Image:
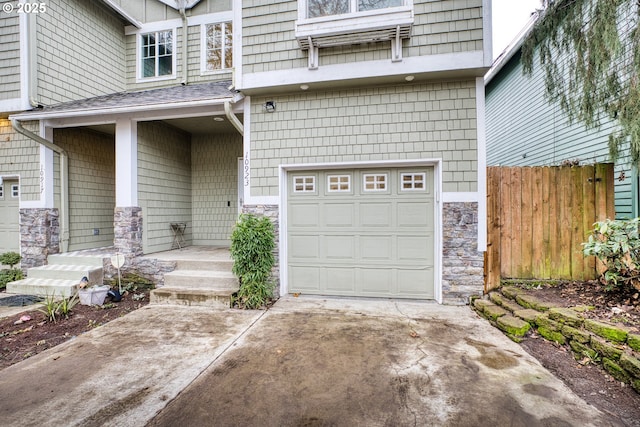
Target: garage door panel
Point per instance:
(304, 215)
(339, 214)
(376, 281)
(341, 280)
(415, 283)
(415, 248)
(304, 247)
(340, 247)
(377, 248)
(305, 278)
(375, 214)
(415, 214)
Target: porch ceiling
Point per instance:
(192, 125)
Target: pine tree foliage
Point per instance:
(590, 54)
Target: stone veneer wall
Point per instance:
(462, 263)
(271, 212)
(39, 236)
(127, 228)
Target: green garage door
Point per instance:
(361, 232)
(9, 216)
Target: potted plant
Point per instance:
(92, 295)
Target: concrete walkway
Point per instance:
(307, 361)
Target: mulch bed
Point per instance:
(23, 340)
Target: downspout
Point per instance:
(32, 68)
(233, 118)
(64, 180)
(185, 46)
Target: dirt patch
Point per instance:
(620, 306)
(21, 341)
(588, 380)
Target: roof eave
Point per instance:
(512, 48)
(50, 115)
(123, 13)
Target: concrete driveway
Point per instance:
(305, 362)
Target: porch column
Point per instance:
(127, 221)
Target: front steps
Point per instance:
(60, 278)
(199, 282)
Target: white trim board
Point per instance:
(380, 68)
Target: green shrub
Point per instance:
(10, 258)
(252, 243)
(10, 275)
(617, 244)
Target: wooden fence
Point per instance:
(538, 218)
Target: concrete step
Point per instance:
(67, 272)
(43, 287)
(74, 258)
(198, 297)
(212, 264)
(201, 279)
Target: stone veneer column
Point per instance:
(127, 230)
(271, 212)
(462, 263)
(39, 236)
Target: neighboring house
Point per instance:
(357, 127)
(523, 129)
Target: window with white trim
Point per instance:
(317, 8)
(339, 183)
(304, 184)
(156, 54)
(1, 191)
(15, 190)
(375, 182)
(413, 181)
(217, 48)
(327, 23)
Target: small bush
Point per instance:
(252, 243)
(617, 244)
(10, 258)
(10, 275)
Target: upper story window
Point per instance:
(156, 54)
(317, 8)
(327, 23)
(217, 49)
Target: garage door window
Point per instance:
(412, 182)
(304, 184)
(15, 191)
(1, 191)
(375, 182)
(339, 183)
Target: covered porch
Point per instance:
(120, 169)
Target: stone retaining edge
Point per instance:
(613, 347)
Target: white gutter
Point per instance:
(44, 115)
(64, 180)
(233, 118)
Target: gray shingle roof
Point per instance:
(153, 99)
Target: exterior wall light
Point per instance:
(270, 106)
